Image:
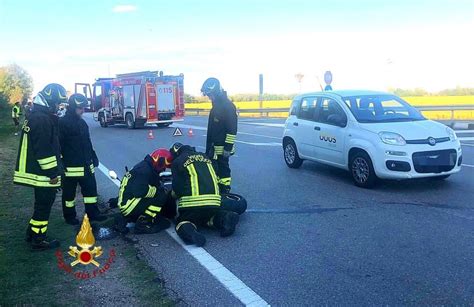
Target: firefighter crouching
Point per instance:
(221, 131)
(142, 198)
(80, 160)
(38, 163)
(195, 186)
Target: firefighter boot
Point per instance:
(226, 222)
(187, 231)
(94, 214)
(42, 242)
(147, 224)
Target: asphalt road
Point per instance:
(310, 236)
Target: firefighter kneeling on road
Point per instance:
(142, 198)
(195, 186)
(38, 163)
(79, 160)
(221, 131)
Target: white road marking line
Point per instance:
(260, 144)
(231, 282)
(265, 124)
(464, 131)
(468, 165)
(467, 138)
(243, 133)
(466, 144)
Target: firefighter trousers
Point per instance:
(222, 168)
(88, 190)
(44, 199)
(160, 204)
(201, 217)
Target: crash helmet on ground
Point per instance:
(161, 159)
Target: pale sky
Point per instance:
(366, 44)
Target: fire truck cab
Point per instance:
(136, 99)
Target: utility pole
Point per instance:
(299, 77)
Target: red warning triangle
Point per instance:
(177, 132)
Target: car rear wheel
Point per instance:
(362, 170)
(290, 153)
(103, 122)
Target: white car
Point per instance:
(371, 134)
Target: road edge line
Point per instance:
(231, 282)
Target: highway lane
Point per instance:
(311, 236)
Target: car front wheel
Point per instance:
(291, 156)
(362, 170)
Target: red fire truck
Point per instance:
(136, 99)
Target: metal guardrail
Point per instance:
(266, 111)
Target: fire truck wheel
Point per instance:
(102, 122)
(130, 122)
(163, 125)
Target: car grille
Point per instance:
(435, 161)
(426, 141)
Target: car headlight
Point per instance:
(392, 138)
(452, 135)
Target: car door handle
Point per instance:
(295, 124)
(317, 128)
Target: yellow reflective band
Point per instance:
(92, 168)
(230, 138)
(49, 165)
(34, 180)
(47, 160)
(23, 153)
(225, 181)
(218, 149)
(154, 208)
(151, 192)
(130, 205)
(74, 174)
(75, 169)
(184, 222)
(214, 203)
(214, 178)
(35, 229)
(194, 180)
(152, 214)
(122, 188)
(90, 200)
(69, 203)
(43, 230)
(38, 223)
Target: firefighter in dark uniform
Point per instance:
(38, 163)
(142, 198)
(221, 131)
(80, 160)
(195, 186)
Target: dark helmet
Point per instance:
(175, 149)
(52, 95)
(211, 86)
(77, 101)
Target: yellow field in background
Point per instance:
(415, 101)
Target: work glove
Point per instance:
(226, 154)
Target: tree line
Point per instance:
(16, 84)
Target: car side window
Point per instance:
(294, 107)
(307, 109)
(330, 112)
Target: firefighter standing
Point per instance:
(142, 198)
(16, 112)
(221, 131)
(195, 186)
(38, 163)
(80, 160)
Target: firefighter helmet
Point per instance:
(211, 87)
(175, 149)
(51, 96)
(77, 101)
(162, 159)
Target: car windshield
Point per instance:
(381, 109)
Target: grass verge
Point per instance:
(33, 278)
